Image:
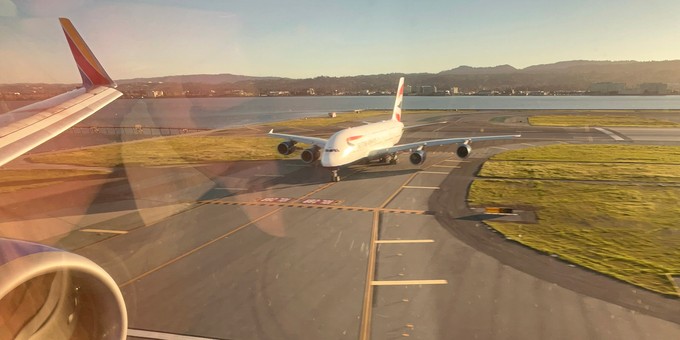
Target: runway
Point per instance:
(272, 250)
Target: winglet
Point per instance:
(271, 131)
(396, 113)
(91, 70)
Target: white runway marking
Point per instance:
(609, 133)
(419, 187)
(162, 336)
(445, 166)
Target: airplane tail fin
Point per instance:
(396, 113)
(91, 70)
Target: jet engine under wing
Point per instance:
(46, 293)
(25, 128)
(320, 142)
(436, 142)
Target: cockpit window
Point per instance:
(332, 150)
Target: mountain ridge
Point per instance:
(563, 76)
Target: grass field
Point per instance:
(599, 120)
(627, 229)
(196, 149)
(344, 117)
(168, 151)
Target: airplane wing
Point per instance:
(437, 142)
(25, 128)
(320, 142)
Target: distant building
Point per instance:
(234, 93)
(455, 90)
(487, 93)
(311, 92)
(278, 93)
(427, 90)
(607, 88)
(537, 93)
(654, 88)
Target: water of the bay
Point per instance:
(213, 113)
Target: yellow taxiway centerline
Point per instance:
(365, 331)
(409, 282)
(403, 241)
(192, 251)
(419, 187)
(435, 172)
(105, 231)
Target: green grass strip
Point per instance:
(651, 154)
(346, 117)
(168, 151)
(342, 117)
(626, 230)
(599, 120)
(624, 172)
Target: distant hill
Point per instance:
(573, 65)
(196, 78)
(565, 75)
(501, 69)
(574, 75)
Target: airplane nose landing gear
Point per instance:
(334, 175)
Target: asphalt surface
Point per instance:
(272, 250)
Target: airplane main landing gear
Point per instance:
(390, 159)
(334, 175)
(393, 159)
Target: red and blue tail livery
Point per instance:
(396, 113)
(91, 70)
(27, 127)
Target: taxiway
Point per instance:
(271, 250)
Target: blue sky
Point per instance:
(301, 39)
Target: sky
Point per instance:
(304, 39)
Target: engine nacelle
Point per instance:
(286, 148)
(310, 155)
(463, 150)
(417, 157)
(47, 293)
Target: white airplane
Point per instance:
(27, 127)
(373, 141)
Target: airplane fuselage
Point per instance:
(352, 144)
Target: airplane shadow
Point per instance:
(305, 175)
